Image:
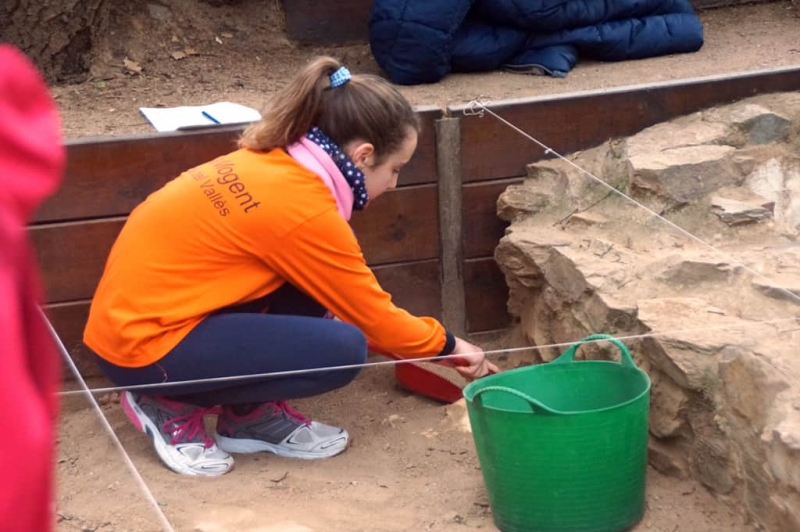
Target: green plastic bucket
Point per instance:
(563, 445)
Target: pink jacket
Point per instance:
(31, 160)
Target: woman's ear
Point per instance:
(362, 154)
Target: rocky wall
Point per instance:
(704, 256)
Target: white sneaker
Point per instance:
(279, 429)
(178, 434)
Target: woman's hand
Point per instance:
(473, 365)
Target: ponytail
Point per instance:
(367, 108)
(292, 111)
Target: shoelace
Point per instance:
(189, 427)
(283, 407)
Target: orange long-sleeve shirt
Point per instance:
(231, 231)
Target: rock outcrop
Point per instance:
(703, 259)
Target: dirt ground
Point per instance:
(240, 54)
(411, 467)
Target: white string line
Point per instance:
(167, 527)
(306, 371)
(547, 149)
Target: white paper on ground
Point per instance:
(174, 118)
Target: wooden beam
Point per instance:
(482, 228)
(451, 244)
(401, 226)
(567, 123)
(486, 297)
(110, 176)
(72, 256)
(414, 286)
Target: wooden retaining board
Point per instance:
(401, 226)
(568, 123)
(482, 228)
(110, 176)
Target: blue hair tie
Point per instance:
(340, 77)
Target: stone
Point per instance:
(767, 180)
(783, 287)
(785, 511)
(791, 211)
(691, 272)
(783, 455)
(735, 212)
(457, 416)
(684, 132)
(667, 407)
(687, 357)
(779, 182)
(737, 205)
(749, 385)
(667, 459)
(760, 125)
(725, 395)
(711, 463)
(518, 201)
(159, 11)
(588, 219)
(685, 174)
(549, 176)
(544, 263)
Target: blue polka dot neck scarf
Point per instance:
(345, 165)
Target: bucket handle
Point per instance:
(533, 403)
(569, 354)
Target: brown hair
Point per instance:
(367, 107)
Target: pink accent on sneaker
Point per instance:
(283, 406)
(128, 409)
(188, 426)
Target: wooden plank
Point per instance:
(110, 176)
(567, 123)
(401, 226)
(72, 256)
(421, 169)
(482, 228)
(326, 22)
(451, 220)
(414, 286)
(486, 297)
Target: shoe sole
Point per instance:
(144, 424)
(245, 446)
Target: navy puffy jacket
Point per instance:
(421, 41)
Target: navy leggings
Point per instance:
(242, 340)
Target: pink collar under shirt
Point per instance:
(314, 158)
